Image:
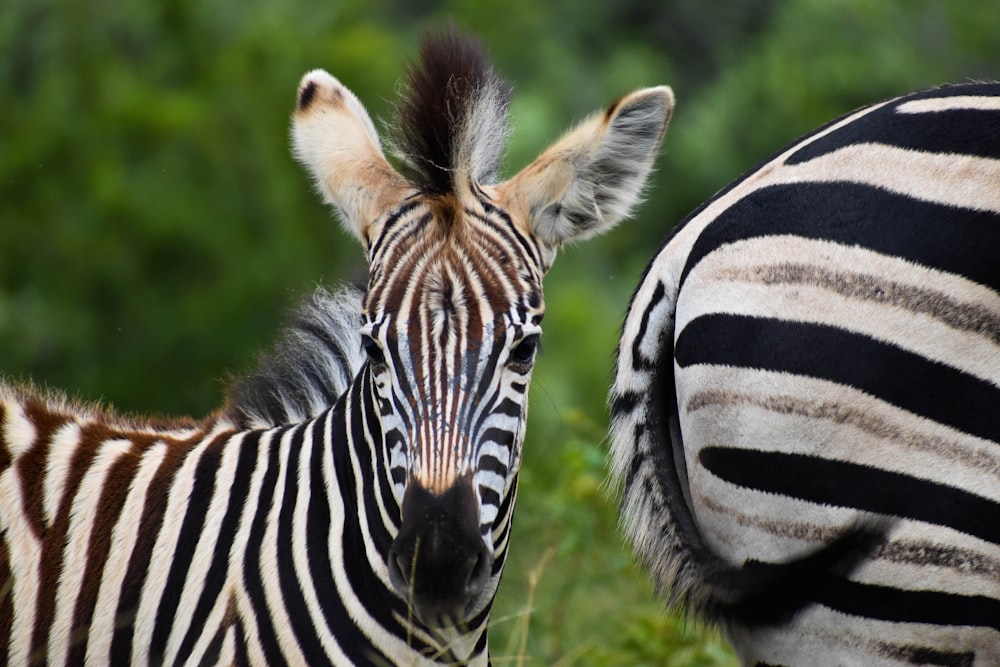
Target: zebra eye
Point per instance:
(376, 358)
(524, 351)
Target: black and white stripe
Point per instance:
(352, 504)
(821, 342)
(204, 545)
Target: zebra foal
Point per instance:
(352, 503)
(818, 341)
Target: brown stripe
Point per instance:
(968, 317)
(934, 554)
(839, 413)
(31, 465)
(916, 654)
(154, 508)
(113, 496)
(795, 530)
(5, 457)
(6, 601)
(54, 539)
(921, 553)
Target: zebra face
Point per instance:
(452, 315)
(451, 327)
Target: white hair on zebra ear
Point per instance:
(594, 176)
(334, 138)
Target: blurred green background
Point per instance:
(154, 229)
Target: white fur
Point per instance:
(593, 177)
(335, 139)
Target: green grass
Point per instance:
(570, 593)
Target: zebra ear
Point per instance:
(333, 136)
(592, 178)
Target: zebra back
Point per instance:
(818, 343)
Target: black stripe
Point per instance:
(253, 582)
(187, 541)
(861, 487)
(954, 240)
(961, 131)
(355, 646)
(510, 228)
(111, 503)
(481, 644)
(488, 496)
(902, 378)
(907, 606)
(291, 594)
(624, 403)
(153, 510)
(364, 418)
(398, 475)
(391, 220)
(485, 383)
(320, 567)
(638, 362)
(483, 405)
(508, 408)
(488, 462)
(504, 516)
(219, 569)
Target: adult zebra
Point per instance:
(370, 532)
(819, 340)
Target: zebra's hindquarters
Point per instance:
(827, 334)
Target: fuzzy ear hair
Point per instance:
(333, 136)
(592, 178)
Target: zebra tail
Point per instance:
(647, 466)
(762, 594)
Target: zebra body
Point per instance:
(819, 341)
(199, 545)
(352, 502)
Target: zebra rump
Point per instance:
(817, 344)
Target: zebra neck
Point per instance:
(358, 524)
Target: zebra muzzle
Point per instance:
(439, 562)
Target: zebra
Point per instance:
(818, 342)
(352, 501)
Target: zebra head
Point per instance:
(452, 314)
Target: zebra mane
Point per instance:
(451, 121)
(32, 395)
(313, 363)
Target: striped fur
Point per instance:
(352, 503)
(821, 341)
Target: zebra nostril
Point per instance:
(399, 572)
(439, 562)
(479, 574)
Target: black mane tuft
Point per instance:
(452, 119)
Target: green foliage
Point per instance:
(154, 229)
